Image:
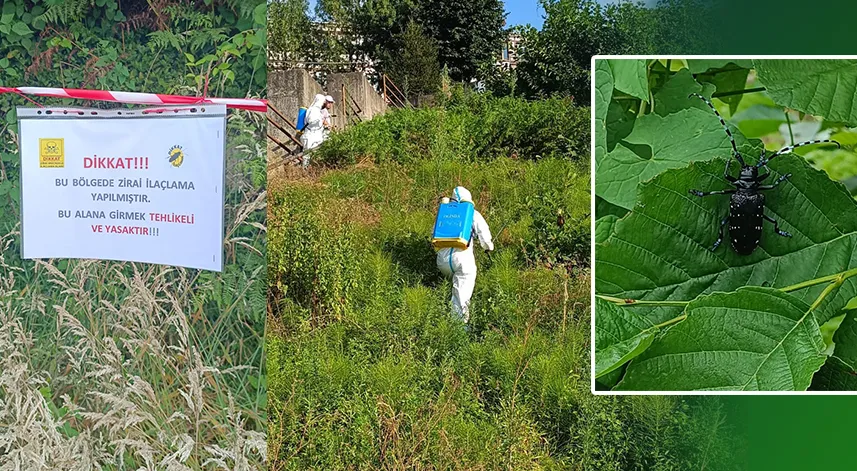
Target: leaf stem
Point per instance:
(789, 122)
(817, 281)
(671, 321)
(641, 302)
(835, 281)
(738, 92)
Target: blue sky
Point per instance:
(522, 12)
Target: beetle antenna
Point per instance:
(725, 128)
(787, 149)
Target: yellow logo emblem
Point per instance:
(51, 153)
(176, 156)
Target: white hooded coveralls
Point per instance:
(325, 113)
(461, 264)
(313, 132)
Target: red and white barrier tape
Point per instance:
(139, 98)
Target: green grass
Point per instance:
(367, 368)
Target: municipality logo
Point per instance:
(51, 153)
(176, 156)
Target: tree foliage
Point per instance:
(466, 34)
(556, 59)
(290, 30)
(416, 68)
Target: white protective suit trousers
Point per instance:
(460, 265)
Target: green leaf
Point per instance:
(657, 144)
(661, 250)
(755, 339)
(698, 66)
(818, 87)
(604, 226)
(727, 75)
(834, 377)
(603, 94)
(8, 13)
(21, 29)
(621, 334)
(839, 164)
(630, 76)
(260, 14)
(620, 122)
(673, 96)
(205, 59)
(731, 81)
(603, 208)
(845, 340)
(759, 120)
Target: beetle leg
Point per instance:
(720, 237)
(779, 180)
(776, 226)
(707, 193)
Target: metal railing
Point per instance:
(292, 146)
(392, 94)
(353, 112)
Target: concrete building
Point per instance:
(508, 58)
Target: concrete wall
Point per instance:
(288, 90)
(359, 89)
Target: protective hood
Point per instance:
(318, 101)
(462, 194)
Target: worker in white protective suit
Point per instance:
(325, 112)
(460, 264)
(313, 132)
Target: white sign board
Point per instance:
(124, 185)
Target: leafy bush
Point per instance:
(470, 127)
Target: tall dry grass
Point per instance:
(116, 366)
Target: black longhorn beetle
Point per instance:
(747, 205)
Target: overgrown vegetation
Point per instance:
(780, 318)
(131, 366)
(469, 127)
(368, 369)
